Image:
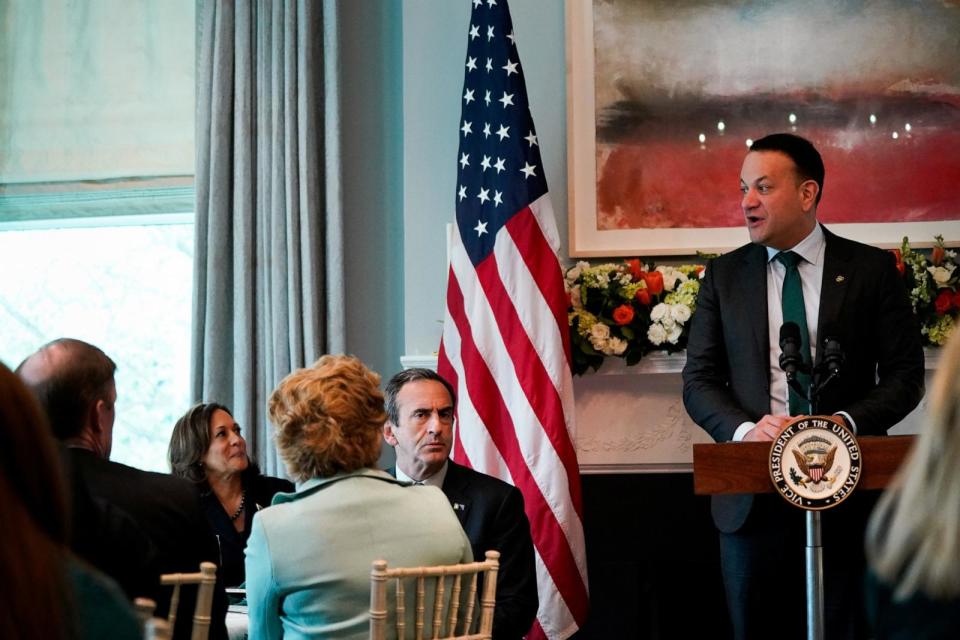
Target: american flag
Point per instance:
(505, 346)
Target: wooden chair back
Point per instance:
(153, 628)
(448, 618)
(205, 579)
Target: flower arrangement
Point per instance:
(933, 282)
(628, 309)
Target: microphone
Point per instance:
(833, 357)
(790, 359)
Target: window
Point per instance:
(96, 198)
(125, 289)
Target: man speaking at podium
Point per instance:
(795, 270)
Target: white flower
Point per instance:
(656, 334)
(941, 275)
(573, 274)
(575, 298)
(599, 331)
(659, 312)
(671, 276)
(680, 313)
(617, 345)
(674, 334)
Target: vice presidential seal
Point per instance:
(815, 462)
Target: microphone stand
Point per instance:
(814, 547)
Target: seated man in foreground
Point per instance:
(74, 382)
(420, 407)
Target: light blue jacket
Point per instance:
(309, 555)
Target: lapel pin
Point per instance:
(459, 507)
(840, 278)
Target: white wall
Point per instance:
(434, 50)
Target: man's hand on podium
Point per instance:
(767, 429)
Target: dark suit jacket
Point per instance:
(167, 510)
(260, 490)
(491, 512)
(725, 380)
(109, 539)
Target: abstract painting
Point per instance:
(678, 90)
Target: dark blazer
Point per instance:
(725, 379)
(491, 512)
(168, 512)
(109, 539)
(231, 543)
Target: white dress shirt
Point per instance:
(436, 480)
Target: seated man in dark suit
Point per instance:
(75, 385)
(420, 406)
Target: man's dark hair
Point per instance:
(83, 375)
(411, 375)
(804, 155)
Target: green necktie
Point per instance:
(793, 311)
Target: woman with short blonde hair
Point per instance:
(309, 556)
(913, 540)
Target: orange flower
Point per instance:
(636, 270)
(623, 314)
(643, 297)
(936, 256)
(654, 280)
(899, 256)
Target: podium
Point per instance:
(744, 467)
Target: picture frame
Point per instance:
(919, 217)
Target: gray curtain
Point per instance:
(268, 256)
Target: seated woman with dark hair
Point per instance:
(206, 448)
(310, 555)
(46, 592)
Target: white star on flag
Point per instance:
(481, 228)
(485, 163)
(507, 99)
(531, 139)
(486, 98)
(529, 169)
(472, 64)
(497, 198)
(489, 34)
(486, 129)
(468, 96)
(499, 166)
(474, 31)
(466, 128)
(462, 193)
(489, 65)
(484, 195)
(464, 160)
(510, 67)
(502, 132)
(490, 3)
